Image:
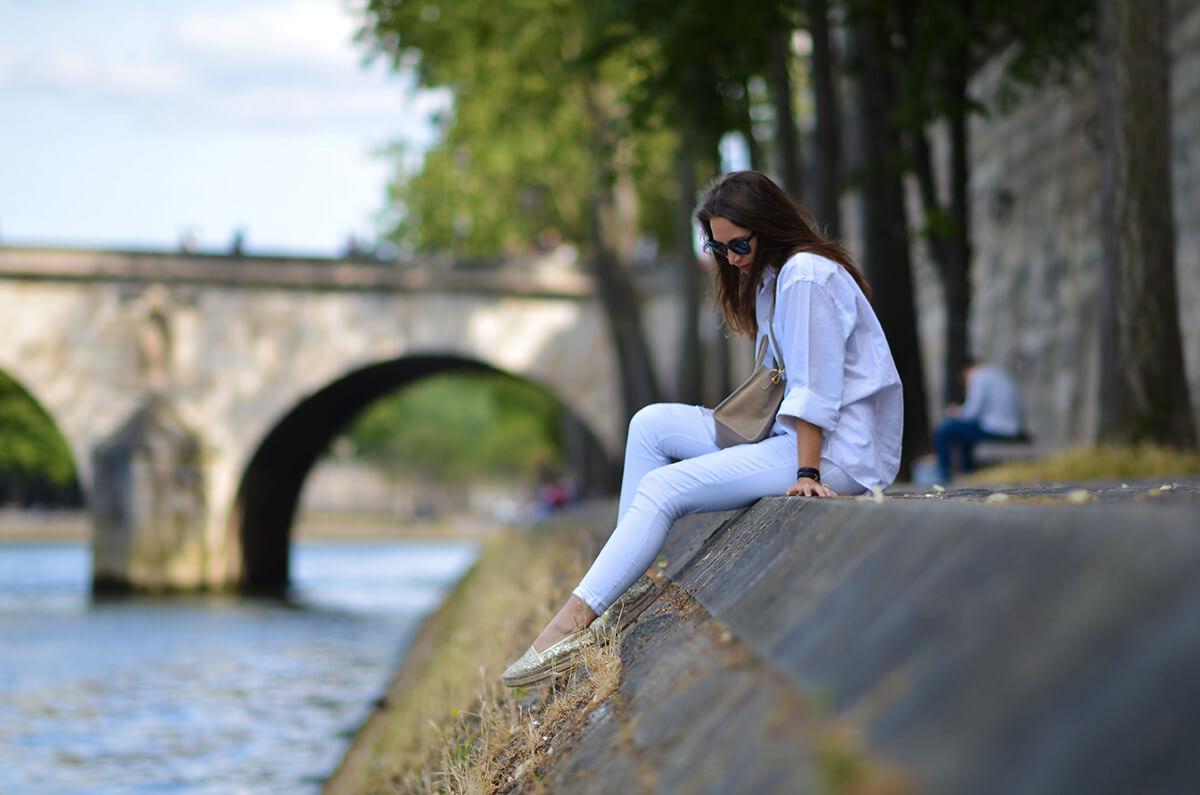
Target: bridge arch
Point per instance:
(36, 439)
(268, 494)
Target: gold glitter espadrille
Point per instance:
(534, 666)
(621, 613)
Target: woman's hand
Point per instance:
(808, 456)
(807, 487)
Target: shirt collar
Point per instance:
(767, 280)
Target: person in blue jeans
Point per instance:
(992, 410)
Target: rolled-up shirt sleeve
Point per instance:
(813, 338)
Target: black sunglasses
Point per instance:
(739, 246)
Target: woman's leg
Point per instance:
(658, 433)
(720, 480)
(655, 492)
(836, 478)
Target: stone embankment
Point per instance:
(1044, 641)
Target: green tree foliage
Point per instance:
(531, 79)
(561, 105)
(695, 58)
(535, 150)
(517, 156)
(697, 63)
(34, 457)
(458, 426)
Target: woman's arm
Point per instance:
(808, 454)
(814, 331)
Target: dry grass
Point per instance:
(569, 700)
(1103, 462)
(845, 768)
(601, 673)
(449, 726)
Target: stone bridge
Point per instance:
(196, 391)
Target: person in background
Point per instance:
(992, 410)
(837, 431)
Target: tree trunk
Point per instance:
(946, 228)
(690, 388)
(885, 257)
(1143, 387)
(746, 128)
(779, 58)
(617, 292)
(621, 304)
(956, 270)
(827, 154)
(931, 205)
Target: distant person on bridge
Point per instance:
(991, 410)
(837, 430)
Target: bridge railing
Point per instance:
(524, 277)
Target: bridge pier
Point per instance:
(149, 515)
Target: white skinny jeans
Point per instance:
(656, 492)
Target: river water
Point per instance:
(202, 695)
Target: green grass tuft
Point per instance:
(1102, 462)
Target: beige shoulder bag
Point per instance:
(749, 412)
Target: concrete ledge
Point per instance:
(977, 648)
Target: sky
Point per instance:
(141, 123)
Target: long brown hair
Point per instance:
(781, 226)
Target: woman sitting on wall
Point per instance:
(837, 430)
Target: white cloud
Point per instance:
(313, 32)
(371, 110)
(8, 57)
(104, 73)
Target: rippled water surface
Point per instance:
(213, 695)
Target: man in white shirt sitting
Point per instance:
(992, 410)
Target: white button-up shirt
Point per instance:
(838, 367)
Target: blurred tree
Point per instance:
(533, 150)
(696, 62)
(460, 426)
(35, 462)
(886, 258)
(570, 108)
(827, 143)
(934, 53)
(1143, 387)
(787, 137)
(935, 47)
(911, 65)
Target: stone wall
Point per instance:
(1035, 192)
(907, 646)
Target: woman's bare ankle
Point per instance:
(572, 617)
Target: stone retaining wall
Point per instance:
(962, 647)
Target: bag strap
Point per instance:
(762, 353)
(770, 329)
